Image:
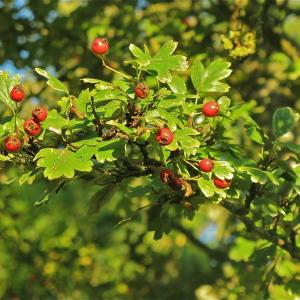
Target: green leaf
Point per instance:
(172, 102)
(207, 187)
(6, 84)
(286, 269)
(83, 100)
(27, 177)
(163, 62)
(4, 158)
(283, 121)
(259, 176)
(104, 151)
(254, 134)
(100, 84)
(55, 120)
(9, 126)
(197, 73)
(155, 151)
(208, 80)
(90, 80)
(110, 150)
(293, 147)
(108, 94)
(183, 137)
(224, 103)
(112, 109)
(158, 221)
(242, 249)
(177, 85)
(172, 121)
(143, 58)
(52, 81)
(61, 162)
(223, 170)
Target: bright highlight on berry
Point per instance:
(211, 109)
(100, 46)
(222, 183)
(206, 165)
(17, 93)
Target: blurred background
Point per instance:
(63, 251)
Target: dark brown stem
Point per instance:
(279, 241)
(97, 119)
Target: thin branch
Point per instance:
(114, 70)
(264, 234)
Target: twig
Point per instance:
(114, 70)
(273, 238)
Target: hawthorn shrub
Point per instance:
(168, 123)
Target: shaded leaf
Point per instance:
(283, 121)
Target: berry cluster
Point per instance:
(32, 126)
(164, 136)
(205, 165)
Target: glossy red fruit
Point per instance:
(141, 90)
(12, 144)
(211, 109)
(100, 46)
(166, 175)
(32, 127)
(164, 136)
(40, 113)
(222, 183)
(17, 93)
(206, 165)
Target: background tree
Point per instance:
(65, 254)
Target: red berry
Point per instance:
(164, 136)
(141, 90)
(222, 183)
(211, 109)
(40, 113)
(17, 93)
(206, 165)
(166, 175)
(12, 144)
(32, 127)
(100, 46)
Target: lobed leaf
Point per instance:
(61, 163)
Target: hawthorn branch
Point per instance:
(264, 234)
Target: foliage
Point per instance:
(99, 135)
